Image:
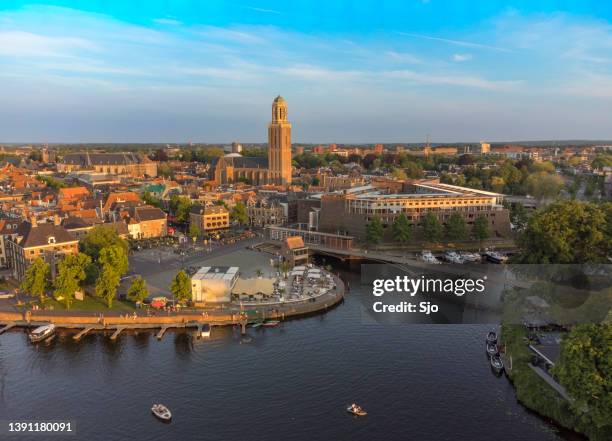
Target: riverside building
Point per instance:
(349, 211)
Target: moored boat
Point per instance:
(161, 412)
(271, 323)
(495, 257)
(42, 333)
(356, 410)
(492, 349)
(497, 364)
(205, 330)
(492, 337)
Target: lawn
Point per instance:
(91, 304)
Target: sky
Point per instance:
(351, 71)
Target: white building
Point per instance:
(213, 284)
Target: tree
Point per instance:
(432, 228)
(481, 230)
(374, 230)
(98, 238)
(138, 291)
(36, 278)
(194, 230)
(413, 170)
(518, 216)
(71, 273)
(106, 286)
(239, 213)
(402, 230)
(584, 368)
(543, 185)
(180, 206)
(181, 287)
(398, 173)
(456, 228)
(568, 232)
(114, 256)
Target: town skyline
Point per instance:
(74, 73)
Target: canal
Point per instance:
(421, 382)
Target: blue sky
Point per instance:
(351, 71)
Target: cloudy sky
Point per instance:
(351, 71)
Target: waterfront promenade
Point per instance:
(222, 315)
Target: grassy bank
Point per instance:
(535, 393)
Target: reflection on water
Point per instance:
(425, 382)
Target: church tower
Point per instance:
(279, 144)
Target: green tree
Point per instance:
(194, 230)
(138, 291)
(180, 206)
(36, 279)
(239, 213)
(98, 238)
(481, 230)
(584, 368)
(374, 230)
(115, 256)
(456, 228)
(106, 286)
(432, 228)
(402, 230)
(71, 273)
(568, 232)
(181, 287)
(543, 185)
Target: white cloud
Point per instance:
(457, 42)
(28, 44)
(265, 11)
(461, 57)
(167, 21)
(403, 57)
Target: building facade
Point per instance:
(50, 241)
(350, 211)
(275, 169)
(212, 218)
(131, 164)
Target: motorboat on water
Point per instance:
(453, 257)
(492, 349)
(42, 333)
(470, 257)
(492, 337)
(495, 257)
(428, 257)
(497, 364)
(271, 323)
(356, 410)
(161, 412)
(205, 332)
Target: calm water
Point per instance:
(427, 382)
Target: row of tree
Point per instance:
(455, 229)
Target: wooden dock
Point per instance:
(83, 332)
(161, 332)
(7, 327)
(117, 332)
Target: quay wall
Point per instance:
(212, 316)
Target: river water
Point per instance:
(417, 382)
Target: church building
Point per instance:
(275, 169)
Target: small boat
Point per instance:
(271, 323)
(42, 332)
(491, 337)
(356, 410)
(453, 257)
(161, 412)
(205, 331)
(492, 349)
(497, 364)
(256, 325)
(495, 257)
